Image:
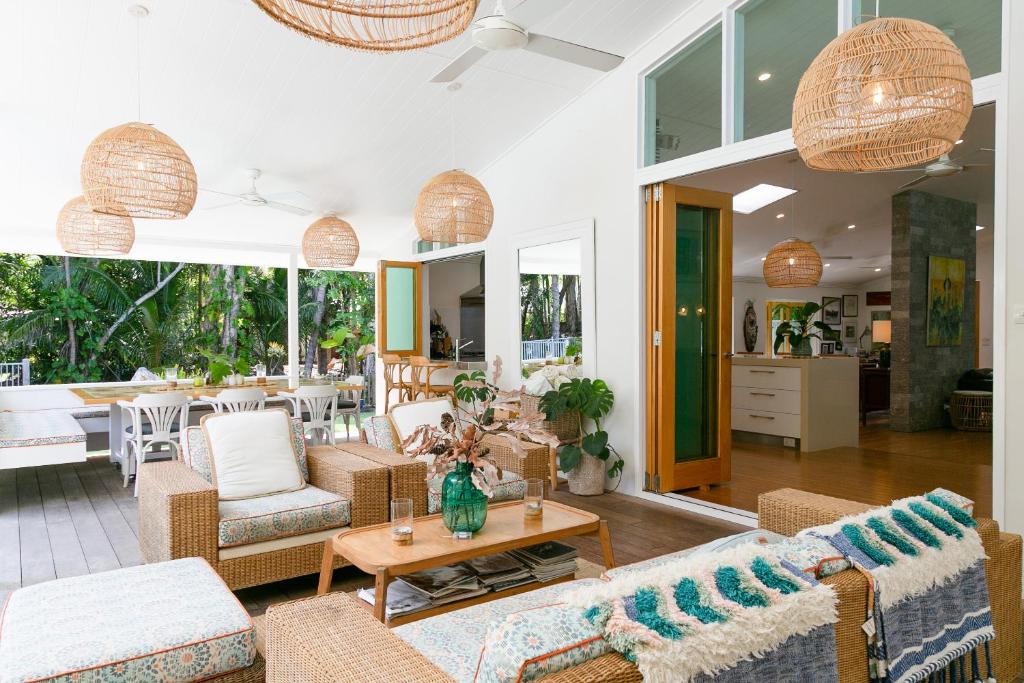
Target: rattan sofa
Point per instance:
(178, 516)
(308, 640)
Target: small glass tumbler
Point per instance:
(171, 375)
(401, 521)
(261, 374)
(533, 501)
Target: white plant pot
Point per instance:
(587, 478)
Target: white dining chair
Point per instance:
(237, 400)
(154, 420)
(348, 404)
(318, 406)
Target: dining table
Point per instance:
(111, 394)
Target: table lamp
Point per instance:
(881, 333)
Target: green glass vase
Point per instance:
(463, 506)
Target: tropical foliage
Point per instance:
(800, 329)
(550, 306)
(590, 401)
(88, 319)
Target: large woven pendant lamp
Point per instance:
(792, 263)
(887, 94)
(80, 230)
(330, 243)
(453, 207)
(135, 170)
(376, 25)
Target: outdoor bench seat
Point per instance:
(173, 621)
(39, 437)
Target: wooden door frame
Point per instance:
(382, 319)
(662, 470)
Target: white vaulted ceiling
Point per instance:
(358, 133)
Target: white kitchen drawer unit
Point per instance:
(773, 400)
(766, 377)
(765, 422)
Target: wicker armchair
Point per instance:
(178, 516)
(306, 640)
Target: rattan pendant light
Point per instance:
(80, 230)
(792, 263)
(887, 94)
(376, 25)
(330, 243)
(453, 207)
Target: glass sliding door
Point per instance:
(689, 299)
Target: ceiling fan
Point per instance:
(255, 199)
(940, 168)
(501, 31)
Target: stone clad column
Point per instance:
(923, 376)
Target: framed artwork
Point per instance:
(831, 310)
(878, 299)
(850, 331)
(850, 305)
(945, 301)
(827, 348)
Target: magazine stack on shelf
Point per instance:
(429, 588)
(547, 561)
(500, 572)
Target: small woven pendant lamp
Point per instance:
(375, 25)
(80, 230)
(792, 263)
(453, 207)
(330, 243)
(887, 94)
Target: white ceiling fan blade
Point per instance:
(224, 194)
(294, 196)
(222, 205)
(919, 169)
(571, 52)
(297, 210)
(837, 258)
(459, 65)
(912, 183)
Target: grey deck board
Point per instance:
(99, 553)
(68, 558)
(123, 497)
(36, 558)
(120, 534)
(10, 537)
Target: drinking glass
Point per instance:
(401, 521)
(171, 374)
(534, 498)
(261, 373)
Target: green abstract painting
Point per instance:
(945, 301)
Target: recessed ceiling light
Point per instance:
(781, 215)
(851, 226)
(828, 265)
(958, 142)
(759, 197)
(764, 258)
(979, 227)
(878, 270)
(764, 77)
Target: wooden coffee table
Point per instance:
(371, 549)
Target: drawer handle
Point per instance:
(762, 393)
(763, 372)
(762, 417)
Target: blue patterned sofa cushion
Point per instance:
(511, 487)
(379, 432)
(453, 641)
(133, 624)
(265, 518)
(196, 452)
(538, 642)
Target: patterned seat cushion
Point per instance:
(265, 518)
(171, 621)
(195, 451)
(453, 641)
(38, 428)
(512, 487)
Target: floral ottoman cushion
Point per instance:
(511, 487)
(172, 621)
(265, 518)
(454, 641)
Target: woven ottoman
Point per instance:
(171, 621)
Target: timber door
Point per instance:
(689, 337)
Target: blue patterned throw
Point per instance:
(743, 614)
(930, 610)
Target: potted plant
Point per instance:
(222, 368)
(800, 329)
(464, 461)
(585, 460)
(573, 351)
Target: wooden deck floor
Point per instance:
(66, 520)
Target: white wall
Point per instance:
(447, 281)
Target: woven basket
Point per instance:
(566, 426)
(587, 479)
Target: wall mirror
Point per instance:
(555, 299)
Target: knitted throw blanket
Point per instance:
(739, 615)
(929, 609)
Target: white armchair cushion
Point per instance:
(406, 417)
(252, 454)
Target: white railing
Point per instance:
(543, 349)
(14, 374)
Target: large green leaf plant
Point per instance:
(800, 328)
(589, 400)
